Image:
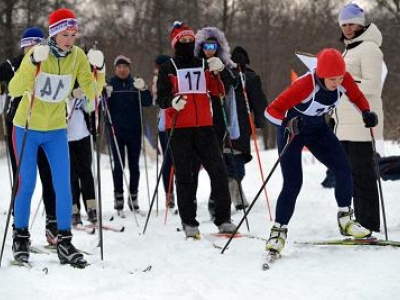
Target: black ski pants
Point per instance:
(189, 146)
(80, 155)
(365, 188)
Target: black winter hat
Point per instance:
(161, 59)
(240, 56)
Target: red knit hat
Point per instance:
(179, 30)
(62, 19)
(330, 63)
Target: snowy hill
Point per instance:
(162, 264)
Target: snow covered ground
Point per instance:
(195, 270)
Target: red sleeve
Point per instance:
(293, 95)
(354, 93)
(214, 84)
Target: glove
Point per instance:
(215, 65)
(370, 118)
(178, 103)
(96, 58)
(295, 125)
(109, 90)
(40, 53)
(139, 84)
(77, 93)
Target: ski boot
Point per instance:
(76, 219)
(20, 246)
(211, 209)
(236, 196)
(133, 202)
(191, 231)
(91, 211)
(119, 204)
(227, 227)
(51, 230)
(277, 238)
(67, 253)
(92, 215)
(350, 227)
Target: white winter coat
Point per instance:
(364, 62)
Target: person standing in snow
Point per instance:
(211, 42)
(45, 79)
(30, 37)
(183, 86)
(163, 136)
(364, 61)
(257, 103)
(124, 108)
(299, 114)
(80, 156)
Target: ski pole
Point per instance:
(290, 139)
(157, 162)
(36, 212)
(254, 136)
(6, 137)
(19, 162)
(227, 134)
(144, 146)
(378, 178)
(169, 194)
(161, 170)
(112, 129)
(94, 133)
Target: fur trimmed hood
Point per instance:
(223, 51)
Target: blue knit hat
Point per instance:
(351, 14)
(31, 36)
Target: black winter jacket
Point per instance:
(124, 106)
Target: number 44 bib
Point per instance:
(52, 88)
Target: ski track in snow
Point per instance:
(195, 270)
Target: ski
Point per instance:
(272, 256)
(53, 249)
(85, 228)
(107, 227)
(240, 235)
(26, 264)
(371, 241)
(37, 250)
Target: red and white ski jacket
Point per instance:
(308, 96)
(196, 81)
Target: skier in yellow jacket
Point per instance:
(45, 79)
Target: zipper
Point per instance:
(195, 106)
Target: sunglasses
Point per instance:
(210, 46)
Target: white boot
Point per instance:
(234, 190)
(350, 227)
(277, 238)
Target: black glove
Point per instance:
(370, 118)
(294, 126)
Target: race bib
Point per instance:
(318, 109)
(52, 88)
(191, 81)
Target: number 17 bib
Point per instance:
(191, 80)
